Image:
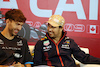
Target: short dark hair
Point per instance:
(60, 26)
(16, 15)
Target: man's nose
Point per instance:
(19, 28)
(49, 29)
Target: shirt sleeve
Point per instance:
(81, 56)
(27, 56)
(3, 56)
(38, 53)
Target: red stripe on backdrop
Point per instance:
(6, 0)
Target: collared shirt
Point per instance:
(47, 52)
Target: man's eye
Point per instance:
(18, 24)
(53, 27)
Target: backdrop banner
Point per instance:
(82, 19)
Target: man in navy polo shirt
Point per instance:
(55, 49)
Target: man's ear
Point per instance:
(62, 28)
(7, 20)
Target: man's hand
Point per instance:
(28, 65)
(18, 65)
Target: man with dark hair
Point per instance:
(56, 48)
(14, 49)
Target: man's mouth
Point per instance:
(16, 31)
(50, 33)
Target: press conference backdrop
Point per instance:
(82, 20)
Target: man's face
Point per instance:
(14, 27)
(54, 32)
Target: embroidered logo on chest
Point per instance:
(46, 43)
(47, 48)
(17, 55)
(11, 48)
(66, 44)
(1, 41)
(20, 43)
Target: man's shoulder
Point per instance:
(1, 35)
(43, 39)
(68, 38)
(20, 37)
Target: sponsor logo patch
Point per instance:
(66, 44)
(47, 48)
(20, 43)
(46, 43)
(1, 41)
